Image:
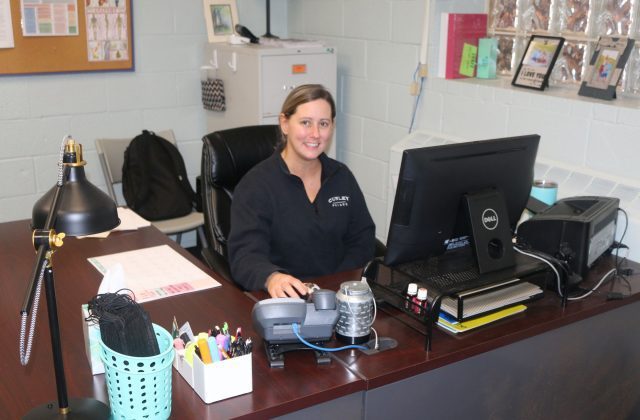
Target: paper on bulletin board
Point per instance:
(49, 18)
(6, 27)
(107, 32)
(157, 272)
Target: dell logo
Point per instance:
(490, 219)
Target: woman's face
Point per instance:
(308, 130)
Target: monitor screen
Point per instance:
(429, 211)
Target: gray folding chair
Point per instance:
(111, 154)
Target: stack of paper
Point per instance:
(449, 323)
(473, 303)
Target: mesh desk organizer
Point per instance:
(446, 275)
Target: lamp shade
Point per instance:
(83, 208)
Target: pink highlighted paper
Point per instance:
(157, 272)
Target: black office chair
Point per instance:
(227, 155)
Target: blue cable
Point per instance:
(353, 346)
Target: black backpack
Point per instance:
(154, 178)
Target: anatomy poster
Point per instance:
(107, 38)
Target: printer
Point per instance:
(576, 230)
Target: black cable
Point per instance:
(618, 263)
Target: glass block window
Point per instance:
(580, 22)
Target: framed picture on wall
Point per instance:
(537, 62)
(221, 17)
(605, 68)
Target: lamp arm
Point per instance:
(25, 354)
(42, 238)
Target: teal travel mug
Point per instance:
(545, 191)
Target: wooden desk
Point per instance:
(549, 362)
(299, 385)
(578, 362)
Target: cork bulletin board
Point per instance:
(103, 49)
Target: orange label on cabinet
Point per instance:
(298, 68)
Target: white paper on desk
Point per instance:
(113, 280)
(157, 272)
(129, 220)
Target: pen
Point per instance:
(220, 339)
(216, 331)
(189, 351)
(175, 333)
(234, 349)
(224, 353)
(227, 336)
(203, 345)
(213, 348)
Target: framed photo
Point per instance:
(221, 17)
(537, 62)
(605, 67)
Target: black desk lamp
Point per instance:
(76, 207)
(268, 34)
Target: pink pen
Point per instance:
(220, 339)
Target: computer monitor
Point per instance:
(445, 193)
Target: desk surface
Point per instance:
(275, 391)
(299, 385)
(410, 359)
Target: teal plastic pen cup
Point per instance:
(140, 387)
(545, 191)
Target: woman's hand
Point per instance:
(283, 285)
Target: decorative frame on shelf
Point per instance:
(537, 62)
(221, 17)
(605, 67)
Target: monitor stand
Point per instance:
(491, 234)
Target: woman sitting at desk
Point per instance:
(299, 214)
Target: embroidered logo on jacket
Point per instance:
(339, 201)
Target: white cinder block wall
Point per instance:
(589, 146)
(36, 112)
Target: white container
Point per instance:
(219, 380)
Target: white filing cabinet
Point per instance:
(257, 79)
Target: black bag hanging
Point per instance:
(154, 178)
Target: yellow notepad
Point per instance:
(480, 321)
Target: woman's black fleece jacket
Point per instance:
(274, 226)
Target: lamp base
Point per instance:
(79, 408)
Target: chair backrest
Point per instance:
(111, 155)
(227, 155)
